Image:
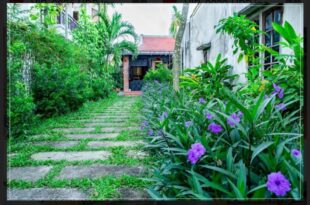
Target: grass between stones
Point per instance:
(106, 187)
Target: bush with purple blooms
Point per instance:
(226, 143)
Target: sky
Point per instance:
(148, 19)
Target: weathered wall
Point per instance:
(200, 30)
(294, 13)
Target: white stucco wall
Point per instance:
(294, 14)
(200, 30)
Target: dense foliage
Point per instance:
(51, 75)
(161, 73)
(215, 141)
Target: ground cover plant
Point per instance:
(99, 188)
(216, 142)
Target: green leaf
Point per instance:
(242, 176)
(260, 148)
(238, 194)
(229, 159)
(154, 194)
(238, 104)
(220, 170)
(213, 185)
(260, 105)
(257, 188)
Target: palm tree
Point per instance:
(177, 48)
(114, 35)
(176, 21)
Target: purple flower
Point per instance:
(240, 114)
(278, 90)
(188, 123)
(150, 132)
(202, 101)
(159, 132)
(281, 94)
(296, 153)
(280, 106)
(163, 116)
(196, 151)
(234, 118)
(198, 148)
(142, 127)
(209, 116)
(266, 96)
(192, 156)
(215, 128)
(144, 124)
(278, 184)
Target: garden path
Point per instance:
(98, 155)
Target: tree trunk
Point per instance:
(177, 48)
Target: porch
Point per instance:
(153, 50)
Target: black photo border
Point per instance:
(4, 127)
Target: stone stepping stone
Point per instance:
(104, 120)
(46, 194)
(71, 156)
(95, 136)
(132, 194)
(71, 130)
(97, 144)
(105, 124)
(98, 170)
(41, 136)
(119, 129)
(116, 110)
(28, 173)
(112, 117)
(137, 154)
(57, 144)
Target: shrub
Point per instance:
(206, 80)
(244, 143)
(58, 79)
(161, 73)
(58, 90)
(217, 142)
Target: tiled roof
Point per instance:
(156, 44)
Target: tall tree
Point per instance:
(114, 34)
(176, 21)
(177, 48)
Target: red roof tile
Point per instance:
(157, 44)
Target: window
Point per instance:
(76, 15)
(271, 38)
(205, 48)
(205, 55)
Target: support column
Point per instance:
(126, 73)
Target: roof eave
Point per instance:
(151, 53)
(252, 8)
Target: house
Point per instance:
(73, 10)
(201, 43)
(151, 51)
